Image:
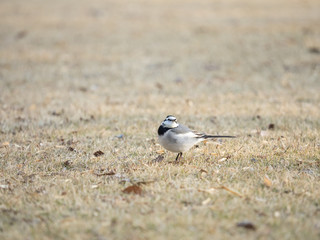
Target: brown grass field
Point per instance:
(77, 77)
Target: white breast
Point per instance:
(178, 142)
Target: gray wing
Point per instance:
(181, 129)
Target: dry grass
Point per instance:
(75, 75)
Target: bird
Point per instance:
(178, 138)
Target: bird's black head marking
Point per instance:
(171, 118)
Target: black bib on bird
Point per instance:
(162, 130)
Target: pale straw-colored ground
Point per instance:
(81, 76)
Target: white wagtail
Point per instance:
(178, 138)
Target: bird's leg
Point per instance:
(178, 156)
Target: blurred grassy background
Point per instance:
(80, 73)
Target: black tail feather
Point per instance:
(217, 136)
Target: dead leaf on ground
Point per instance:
(161, 151)
(314, 50)
(98, 153)
(83, 89)
(159, 86)
(5, 144)
(271, 126)
(135, 189)
(71, 149)
(21, 34)
(203, 171)
(267, 181)
(67, 163)
(247, 225)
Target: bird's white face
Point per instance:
(170, 122)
